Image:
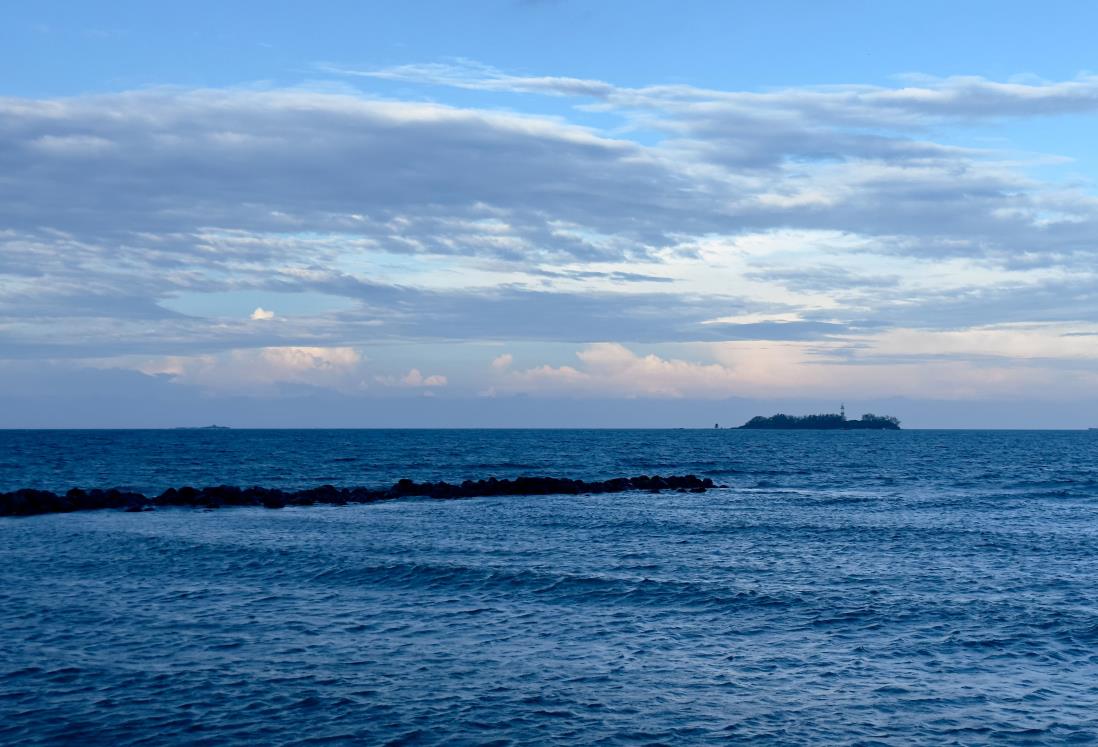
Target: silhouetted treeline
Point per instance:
(823, 422)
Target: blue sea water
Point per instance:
(913, 587)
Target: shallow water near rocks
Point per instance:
(895, 588)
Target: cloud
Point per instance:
(185, 167)
(611, 368)
(502, 362)
(961, 97)
(262, 370)
(616, 276)
(824, 278)
(1016, 342)
(35, 395)
(214, 181)
(462, 73)
(807, 216)
(413, 379)
(983, 364)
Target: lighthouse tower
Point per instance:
(842, 410)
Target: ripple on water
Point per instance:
(852, 602)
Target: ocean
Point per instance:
(912, 587)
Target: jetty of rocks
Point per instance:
(27, 502)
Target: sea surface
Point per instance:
(913, 587)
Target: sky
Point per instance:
(547, 213)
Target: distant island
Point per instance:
(202, 428)
(824, 422)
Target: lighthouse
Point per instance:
(842, 410)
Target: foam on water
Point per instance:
(911, 587)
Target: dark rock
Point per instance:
(27, 502)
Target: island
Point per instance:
(824, 422)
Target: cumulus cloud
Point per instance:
(502, 362)
(261, 370)
(261, 314)
(413, 379)
(611, 368)
(982, 364)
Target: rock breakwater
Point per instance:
(28, 502)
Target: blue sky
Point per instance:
(77, 47)
(473, 210)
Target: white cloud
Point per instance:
(311, 358)
(1063, 342)
(614, 370)
(923, 99)
(985, 364)
(261, 314)
(471, 75)
(502, 362)
(413, 379)
(260, 370)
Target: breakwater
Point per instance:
(28, 501)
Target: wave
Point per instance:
(557, 587)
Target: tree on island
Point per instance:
(883, 422)
(824, 422)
